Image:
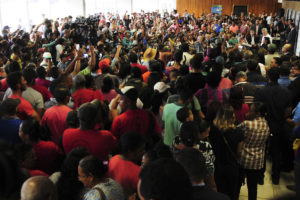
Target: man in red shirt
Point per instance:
(55, 117)
(98, 143)
(17, 83)
(133, 62)
(82, 94)
(133, 119)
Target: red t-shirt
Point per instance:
(84, 95)
(46, 153)
(142, 67)
(133, 121)
(124, 172)
(44, 92)
(4, 85)
(240, 114)
(55, 119)
(25, 109)
(98, 143)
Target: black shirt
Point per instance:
(196, 81)
(276, 99)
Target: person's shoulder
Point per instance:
(69, 131)
(105, 133)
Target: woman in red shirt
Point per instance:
(47, 152)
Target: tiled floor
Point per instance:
(270, 191)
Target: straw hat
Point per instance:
(150, 54)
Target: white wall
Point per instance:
(29, 12)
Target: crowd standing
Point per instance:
(148, 106)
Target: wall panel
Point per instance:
(254, 6)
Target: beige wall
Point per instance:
(291, 4)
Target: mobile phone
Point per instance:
(85, 55)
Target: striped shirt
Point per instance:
(253, 150)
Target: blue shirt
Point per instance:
(10, 130)
(296, 113)
(284, 81)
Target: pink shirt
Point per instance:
(42, 82)
(110, 95)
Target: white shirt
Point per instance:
(262, 39)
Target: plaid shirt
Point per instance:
(253, 151)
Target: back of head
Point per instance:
(273, 74)
(107, 84)
(86, 115)
(284, 69)
(38, 188)
(133, 57)
(136, 72)
(79, 81)
(236, 97)
(155, 66)
(91, 165)
(196, 61)
(178, 55)
(29, 75)
(185, 95)
(188, 133)
(130, 142)
(213, 79)
(182, 114)
(32, 128)
(13, 79)
(165, 179)
(41, 72)
(252, 65)
(61, 93)
(185, 47)
(225, 118)
(13, 67)
(194, 164)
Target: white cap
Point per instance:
(47, 55)
(161, 87)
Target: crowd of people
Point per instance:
(148, 106)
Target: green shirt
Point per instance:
(85, 71)
(172, 124)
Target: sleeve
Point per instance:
(49, 44)
(196, 104)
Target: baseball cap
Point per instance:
(161, 87)
(129, 91)
(47, 55)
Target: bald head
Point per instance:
(286, 48)
(38, 188)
